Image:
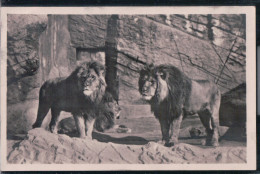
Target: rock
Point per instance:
(43, 147)
(21, 116)
(22, 58)
(195, 132)
(233, 107)
(23, 70)
(122, 129)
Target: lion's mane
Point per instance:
(75, 76)
(107, 113)
(179, 88)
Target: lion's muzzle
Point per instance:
(146, 93)
(87, 91)
(118, 114)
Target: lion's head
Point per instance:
(109, 110)
(152, 83)
(147, 83)
(90, 79)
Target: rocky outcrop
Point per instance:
(23, 32)
(43, 147)
(233, 107)
(23, 80)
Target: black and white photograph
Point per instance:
(128, 88)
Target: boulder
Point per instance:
(233, 107)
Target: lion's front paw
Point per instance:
(215, 144)
(169, 144)
(203, 142)
(88, 138)
(173, 141)
(53, 130)
(162, 142)
(212, 142)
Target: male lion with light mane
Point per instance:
(109, 110)
(172, 95)
(80, 94)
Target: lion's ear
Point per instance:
(162, 74)
(148, 67)
(102, 72)
(151, 65)
(102, 77)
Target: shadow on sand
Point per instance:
(101, 137)
(129, 140)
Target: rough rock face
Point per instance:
(23, 82)
(23, 32)
(41, 146)
(233, 107)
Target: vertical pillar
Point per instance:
(111, 57)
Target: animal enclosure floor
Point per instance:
(145, 129)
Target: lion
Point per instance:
(109, 110)
(80, 94)
(172, 96)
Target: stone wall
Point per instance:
(57, 56)
(88, 31)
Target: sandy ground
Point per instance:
(146, 129)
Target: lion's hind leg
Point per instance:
(55, 113)
(43, 109)
(211, 124)
(80, 124)
(205, 117)
(215, 105)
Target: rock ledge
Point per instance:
(43, 147)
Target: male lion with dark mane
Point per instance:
(172, 95)
(80, 94)
(108, 111)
